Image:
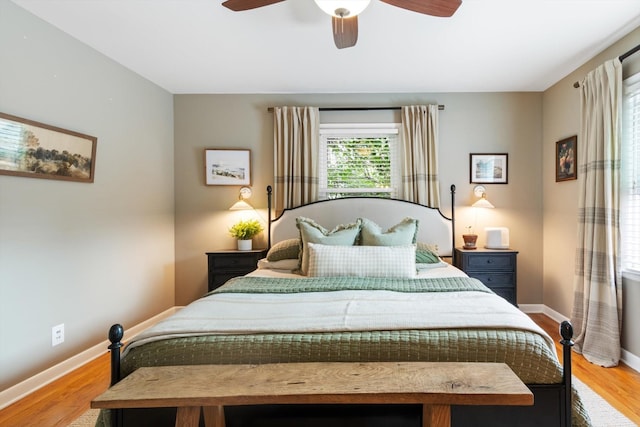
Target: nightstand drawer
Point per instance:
(494, 279)
(491, 262)
(233, 262)
(496, 269)
(224, 265)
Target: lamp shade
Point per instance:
(343, 8)
(483, 203)
(241, 205)
(481, 191)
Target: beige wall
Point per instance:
(561, 118)
(471, 123)
(86, 255)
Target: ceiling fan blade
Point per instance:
(345, 31)
(240, 5)
(441, 8)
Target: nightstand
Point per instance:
(496, 268)
(224, 265)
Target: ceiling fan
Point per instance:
(344, 13)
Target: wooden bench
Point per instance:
(436, 386)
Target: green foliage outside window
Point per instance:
(358, 163)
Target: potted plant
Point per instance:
(469, 238)
(244, 231)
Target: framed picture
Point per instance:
(488, 168)
(567, 159)
(36, 150)
(227, 167)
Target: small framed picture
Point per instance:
(488, 168)
(227, 167)
(567, 159)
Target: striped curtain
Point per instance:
(419, 151)
(597, 309)
(296, 143)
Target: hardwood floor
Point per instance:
(62, 401)
(620, 386)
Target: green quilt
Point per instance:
(527, 353)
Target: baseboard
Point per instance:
(28, 386)
(631, 360)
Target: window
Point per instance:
(630, 184)
(359, 160)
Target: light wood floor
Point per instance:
(62, 401)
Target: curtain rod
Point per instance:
(621, 58)
(440, 107)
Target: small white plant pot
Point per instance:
(245, 245)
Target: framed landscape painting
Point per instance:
(227, 167)
(37, 150)
(488, 168)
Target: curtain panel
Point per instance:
(419, 151)
(597, 309)
(296, 144)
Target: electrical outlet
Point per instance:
(57, 335)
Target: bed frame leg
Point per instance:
(566, 331)
(116, 332)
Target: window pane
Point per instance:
(358, 163)
(630, 187)
(358, 160)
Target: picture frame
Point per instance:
(227, 166)
(567, 159)
(489, 168)
(36, 150)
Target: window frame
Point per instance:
(630, 144)
(366, 130)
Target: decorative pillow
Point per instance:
(401, 234)
(283, 264)
(361, 261)
(426, 254)
(286, 249)
(312, 232)
(430, 266)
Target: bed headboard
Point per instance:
(433, 226)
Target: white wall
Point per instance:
(86, 255)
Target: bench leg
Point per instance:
(213, 416)
(436, 416)
(188, 416)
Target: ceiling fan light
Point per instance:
(337, 8)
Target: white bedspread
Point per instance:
(350, 310)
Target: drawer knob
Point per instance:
(489, 261)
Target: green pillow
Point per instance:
(312, 232)
(402, 234)
(286, 249)
(426, 254)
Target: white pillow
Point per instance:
(362, 261)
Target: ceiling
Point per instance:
(198, 46)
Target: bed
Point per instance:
(341, 283)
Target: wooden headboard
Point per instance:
(433, 226)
